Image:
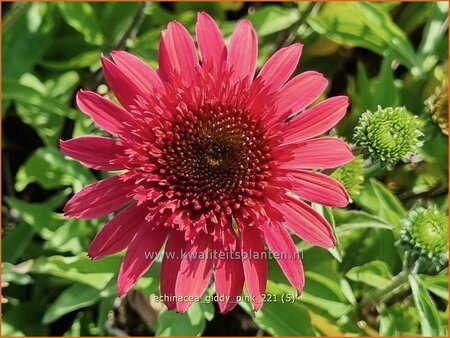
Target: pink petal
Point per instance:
(124, 88)
(210, 40)
(117, 234)
(255, 270)
(195, 271)
(229, 277)
(137, 70)
(298, 93)
(177, 54)
(316, 120)
(98, 199)
(318, 188)
(286, 254)
(106, 114)
(325, 152)
(93, 151)
(306, 223)
(243, 51)
(170, 266)
(279, 68)
(140, 255)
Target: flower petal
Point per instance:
(106, 114)
(210, 40)
(325, 152)
(93, 151)
(255, 264)
(306, 223)
(137, 70)
(316, 120)
(286, 254)
(98, 199)
(279, 68)
(195, 270)
(228, 277)
(298, 93)
(318, 188)
(170, 266)
(243, 51)
(177, 54)
(124, 88)
(117, 234)
(140, 255)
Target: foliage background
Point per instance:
(387, 54)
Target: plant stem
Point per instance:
(131, 32)
(287, 36)
(136, 22)
(388, 291)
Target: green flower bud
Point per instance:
(437, 106)
(424, 234)
(388, 135)
(351, 175)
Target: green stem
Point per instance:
(381, 294)
(372, 169)
(400, 281)
(133, 28)
(287, 36)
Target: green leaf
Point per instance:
(386, 93)
(363, 87)
(363, 24)
(104, 307)
(429, 316)
(96, 274)
(14, 317)
(73, 298)
(14, 90)
(281, 317)
(190, 323)
(435, 29)
(15, 242)
(377, 198)
(349, 220)
(26, 35)
(49, 168)
(387, 324)
(326, 294)
(16, 274)
(437, 284)
(114, 19)
(375, 273)
(81, 16)
(272, 19)
(82, 60)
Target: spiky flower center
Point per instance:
(388, 135)
(351, 175)
(429, 229)
(214, 158)
(424, 234)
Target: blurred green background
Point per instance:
(389, 54)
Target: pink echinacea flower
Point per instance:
(211, 158)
